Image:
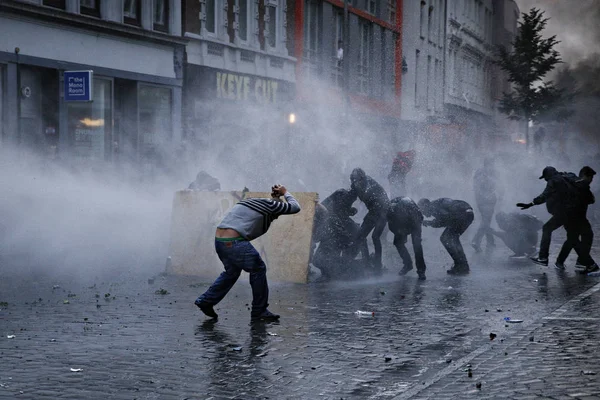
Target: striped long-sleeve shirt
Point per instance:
(253, 217)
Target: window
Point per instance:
(417, 76)
(132, 12)
(442, 23)
(161, 15)
(430, 23)
(261, 24)
(429, 94)
(55, 3)
(155, 113)
(272, 24)
(90, 124)
(312, 39)
(243, 20)
(90, 7)
(231, 25)
(338, 48)
(392, 11)
(373, 7)
(422, 20)
(209, 16)
(364, 57)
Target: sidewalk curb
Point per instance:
(556, 314)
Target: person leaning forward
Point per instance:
(246, 221)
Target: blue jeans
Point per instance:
(236, 257)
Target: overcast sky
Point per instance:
(576, 24)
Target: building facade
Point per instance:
(469, 68)
(423, 45)
(506, 22)
(135, 51)
(238, 63)
(349, 54)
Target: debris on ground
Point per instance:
(364, 313)
(493, 336)
(478, 385)
(10, 336)
(161, 291)
(381, 291)
(588, 373)
(512, 321)
(388, 358)
(531, 338)
(237, 349)
(76, 369)
(3, 304)
(71, 295)
(150, 281)
(272, 334)
(65, 301)
(55, 287)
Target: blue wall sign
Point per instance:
(79, 85)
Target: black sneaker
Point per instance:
(206, 308)
(265, 316)
(405, 271)
(592, 268)
(458, 271)
(422, 276)
(559, 266)
(539, 261)
(579, 266)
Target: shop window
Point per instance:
(90, 124)
(55, 3)
(161, 15)
(132, 12)
(90, 7)
(210, 16)
(155, 121)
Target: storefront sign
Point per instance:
(212, 84)
(245, 87)
(78, 85)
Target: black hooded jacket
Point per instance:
(447, 211)
(558, 195)
(404, 215)
(374, 195)
(578, 203)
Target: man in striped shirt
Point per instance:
(247, 220)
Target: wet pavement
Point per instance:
(123, 339)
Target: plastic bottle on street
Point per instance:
(365, 313)
(595, 273)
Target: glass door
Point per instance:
(155, 113)
(90, 124)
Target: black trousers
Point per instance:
(487, 212)
(400, 238)
(451, 240)
(550, 226)
(374, 221)
(580, 237)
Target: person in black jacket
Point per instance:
(376, 199)
(456, 216)
(484, 184)
(519, 232)
(405, 218)
(556, 195)
(577, 224)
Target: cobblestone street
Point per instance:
(122, 339)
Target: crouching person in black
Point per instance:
(405, 218)
(456, 216)
(335, 233)
(519, 232)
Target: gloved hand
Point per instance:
(524, 206)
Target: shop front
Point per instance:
(133, 115)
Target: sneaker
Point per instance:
(559, 266)
(405, 271)
(265, 316)
(422, 277)
(206, 308)
(579, 265)
(539, 261)
(592, 268)
(458, 271)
